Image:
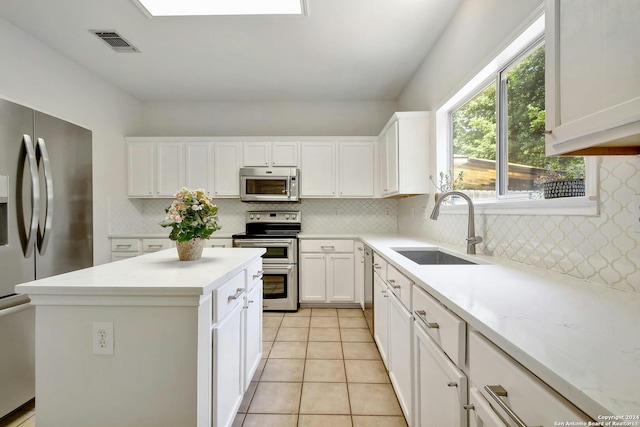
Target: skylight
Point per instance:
(221, 7)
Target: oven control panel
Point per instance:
(273, 216)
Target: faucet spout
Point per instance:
(472, 239)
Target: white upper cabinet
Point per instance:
(404, 150)
(227, 158)
(141, 169)
(256, 153)
(155, 169)
(169, 168)
(285, 154)
(592, 84)
(271, 153)
(356, 170)
(199, 165)
(318, 169)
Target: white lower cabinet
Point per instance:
(380, 324)
(400, 326)
(327, 271)
(440, 387)
(252, 332)
(512, 391)
(228, 387)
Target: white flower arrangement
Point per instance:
(192, 215)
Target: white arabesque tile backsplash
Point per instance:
(603, 249)
(335, 216)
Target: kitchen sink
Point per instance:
(431, 257)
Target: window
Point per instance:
(498, 134)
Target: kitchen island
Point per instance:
(148, 341)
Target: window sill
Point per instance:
(578, 206)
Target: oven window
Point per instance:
(276, 252)
(266, 186)
(274, 286)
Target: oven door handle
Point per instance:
(266, 269)
(269, 243)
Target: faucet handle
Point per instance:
(474, 240)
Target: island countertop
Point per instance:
(155, 274)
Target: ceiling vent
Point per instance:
(115, 40)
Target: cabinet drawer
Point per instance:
(125, 245)
(447, 329)
(154, 245)
(380, 266)
(254, 275)
(527, 396)
(219, 243)
(400, 285)
(226, 297)
(326, 246)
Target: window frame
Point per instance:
(530, 37)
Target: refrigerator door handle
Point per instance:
(42, 156)
(35, 195)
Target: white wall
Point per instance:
(265, 118)
(602, 249)
(35, 76)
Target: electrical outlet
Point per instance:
(636, 213)
(102, 336)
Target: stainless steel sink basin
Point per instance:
(432, 257)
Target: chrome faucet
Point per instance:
(472, 239)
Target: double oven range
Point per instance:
(277, 232)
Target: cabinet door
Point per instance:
(356, 169)
(592, 82)
(341, 278)
(313, 278)
(226, 170)
(318, 165)
(359, 273)
(227, 368)
(284, 154)
(399, 355)
(253, 332)
(141, 170)
(199, 166)
(440, 388)
(392, 159)
(380, 332)
(169, 168)
(256, 153)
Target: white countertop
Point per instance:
(159, 273)
(579, 337)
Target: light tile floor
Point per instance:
(320, 367)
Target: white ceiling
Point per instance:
(345, 50)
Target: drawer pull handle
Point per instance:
(154, 246)
(422, 315)
(239, 291)
(123, 246)
(328, 248)
(258, 275)
(217, 246)
(393, 284)
(377, 266)
(497, 391)
(468, 407)
(452, 384)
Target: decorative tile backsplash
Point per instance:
(603, 249)
(340, 216)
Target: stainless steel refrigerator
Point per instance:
(46, 228)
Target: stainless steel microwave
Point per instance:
(269, 184)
